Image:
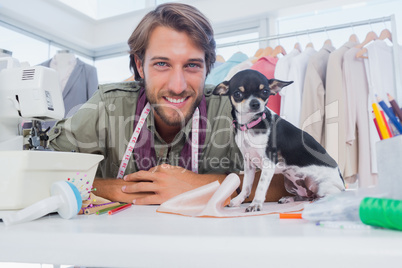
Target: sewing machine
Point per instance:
(27, 170)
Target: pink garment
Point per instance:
(266, 66)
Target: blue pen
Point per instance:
(390, 114)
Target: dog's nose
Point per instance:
(254, 104)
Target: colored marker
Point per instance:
(395, 107)
(103, 211)
(290, 216)
(380, 121)
(114, 211)
(386, 124)
(390, 115)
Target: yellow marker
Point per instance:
(380, 122)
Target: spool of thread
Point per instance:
(381, 212)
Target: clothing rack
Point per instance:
(397, 67)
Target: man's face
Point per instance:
(174, 72)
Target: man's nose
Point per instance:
(177, 81)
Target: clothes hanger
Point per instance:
(328, 42)
(385, 34)
(297, 46)
(310, 45)
(219, 58)
(353, 38)
(278, 49)
(259, 52)
(371, 36)
(267, 51)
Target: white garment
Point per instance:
(283, 65)
(380, 75)
(240, 67)
(64, 64)
(292, 94)
(282, 68)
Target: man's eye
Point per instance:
(160, 64)
(192, 65)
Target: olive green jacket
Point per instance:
(104, 125)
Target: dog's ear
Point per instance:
(276, 85)
(222, 88)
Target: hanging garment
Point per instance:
(313, 98)
(358, 120)
(380, 75)
(266, 66)
(81, 85)
(292, 94)
(218, 74)
(64, 67)
(240, 67)
(335, 115)
(282, 68)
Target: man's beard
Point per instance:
(172, 120)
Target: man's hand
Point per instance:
(154, 186)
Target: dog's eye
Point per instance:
(237, 95)
(265, 93)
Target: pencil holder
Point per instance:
(389, 162)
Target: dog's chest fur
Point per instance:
(300, 181)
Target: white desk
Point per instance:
(140, 237)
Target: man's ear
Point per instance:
(276, 85)
(138, 64)
(222, 88)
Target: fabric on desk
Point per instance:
(357, 128)
(292, 94)
(313, 98)
(210, 201)
(218, 74)
(81, 85)
(266, 66)
(335, 115)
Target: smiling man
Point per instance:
(165, 133)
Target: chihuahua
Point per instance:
(274, 145)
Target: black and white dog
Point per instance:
(274, 145)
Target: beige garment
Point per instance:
(358, 119)
(335, 116)
(313, 99)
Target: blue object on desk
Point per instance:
(65, 200)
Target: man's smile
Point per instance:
(175, 100)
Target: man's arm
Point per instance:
(164, 182)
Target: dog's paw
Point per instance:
(254, 207)
(286, 199)
(236, 202)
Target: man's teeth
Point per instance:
(175, 100)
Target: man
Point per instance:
(153, 132)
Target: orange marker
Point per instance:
(290, 216)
